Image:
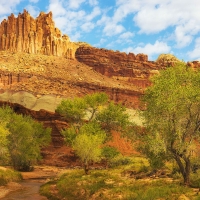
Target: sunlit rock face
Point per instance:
(26, 34)
(167, 60)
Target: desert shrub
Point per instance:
(9, 175)
(195, 179)
(120, 160)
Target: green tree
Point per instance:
(23, 139)
(88, 143)
(90, 117)
(4, 153)
(172, 115)
(114, 117)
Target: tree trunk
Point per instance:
(184, 169)
(187, 172)
(86, 168)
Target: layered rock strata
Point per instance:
(26, 34)
(128, 67)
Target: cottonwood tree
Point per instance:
(88, 143)
(96, 116)
(21, 139)
(172, 116)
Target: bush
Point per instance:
(119, 161)
(195, 179)
(8, 175)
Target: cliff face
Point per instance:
(128, 67)
(26, 34)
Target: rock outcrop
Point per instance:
(26, 34)
(128, 67)
(167, 60)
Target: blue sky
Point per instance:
(139, 26)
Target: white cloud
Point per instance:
(126, 35)
(8, 6)
(112, 29)
(182, 38)
(33, 10)
(75, 37)
(154, 16)
(150, 49)
(87, 27)
(125, 38)
(101, 42)
(195, 54)
(75, 4)
(56, 6)
(96, 11)
(93, 2)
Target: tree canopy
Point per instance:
(21, 139)
(91, 119)
(172, 115)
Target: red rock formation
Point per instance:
(26, 34)
(117, 64)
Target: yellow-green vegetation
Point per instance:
(91, 119)
(111, 184)
(21, 140)
(8, 175)
(172, 118)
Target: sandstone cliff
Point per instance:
(26, 34)
(127, 67)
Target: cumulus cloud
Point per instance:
(87, 27)
(33, 10)
(195, 53)
(126, 35)
(156, 16)
(75, 4)
(57, 7)
(151, 50)
(8, 6)
(93, 2)
(72, 18)
(75, 37)
(95, 12)
(111, 29)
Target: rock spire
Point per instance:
(38, 36)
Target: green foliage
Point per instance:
(45, 191)
(120, 160)
(87, 144)
(110, 152)
(22, 139)
(72, 110)
(8, 175)
(108, 184)
(94, 107)
(69, 135)
(4, 143)
(94, 103)
(91, 121)
(114, 117)
(172, 115)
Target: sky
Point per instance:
(152, 27)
